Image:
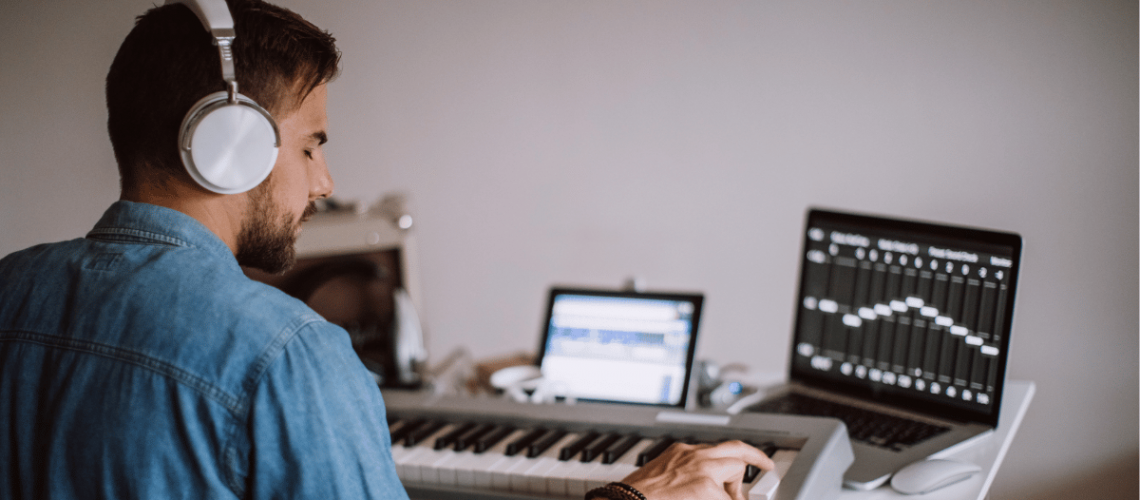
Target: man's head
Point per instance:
(168, 62)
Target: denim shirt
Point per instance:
(140, 362)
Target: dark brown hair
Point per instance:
(168, 62)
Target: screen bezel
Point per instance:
(696, 299)
(921, 231)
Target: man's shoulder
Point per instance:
(213, 297)
(21, 259)
(174, 305)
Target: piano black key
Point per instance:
(654, 449)
(540, 445)
(694, 440)
(573, 448)
(769, 449)
(394, 424)
(618, 448)
(492, 438)
(447, 440)
(524, 441)
(405, 429)
(766, 447)
(750, 473)
(424, 431)
(598, 447)
(468, 439)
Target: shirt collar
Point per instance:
(146, 223)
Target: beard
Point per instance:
(268, 237)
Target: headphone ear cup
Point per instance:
(228, 148)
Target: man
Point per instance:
(139, 362)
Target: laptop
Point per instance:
(592, 338)
(902, 331)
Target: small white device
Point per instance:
(928, 475)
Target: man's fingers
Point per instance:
(735, 489)
(742, 451)
(724, 469)
(702, 471)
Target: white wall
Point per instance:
(583, 141)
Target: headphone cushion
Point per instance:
(232, 147)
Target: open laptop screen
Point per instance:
(620, 346)
(909, 313)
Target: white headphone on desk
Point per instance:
(515, 381)
(227, 141)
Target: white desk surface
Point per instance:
(987, 453)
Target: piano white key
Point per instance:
(466, 465)
(476, 472)
(398, 452)
(444, 468)
(501, 472)
(426, 463)
(784, 459)
(538, 478)
(405, 453)
(411, 463)
(449, 471)
(597, 477)
(532, 480)
(431, 468)
(401, 469)
(764, 486)
(557, 475)
(415, 464)
(576, 477)
(495, 474)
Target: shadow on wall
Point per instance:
(1114, 480)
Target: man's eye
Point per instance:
(309, 154)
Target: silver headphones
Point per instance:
(227, 141)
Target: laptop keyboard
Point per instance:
(867, 426)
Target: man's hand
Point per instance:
(686, 471)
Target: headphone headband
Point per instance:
(215, 17)
(228, 142)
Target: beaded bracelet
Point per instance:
(615, 491)
(637, 494)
